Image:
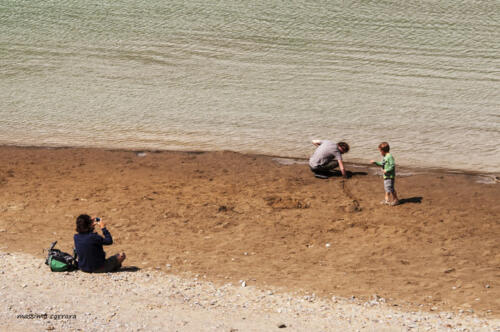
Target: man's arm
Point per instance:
(342, 169)
(316, 142)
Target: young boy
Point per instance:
(389, 167)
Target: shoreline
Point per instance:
(232, 216)
(494, 176)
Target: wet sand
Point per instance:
(232, 217)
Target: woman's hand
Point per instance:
(101, 224)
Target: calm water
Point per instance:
(256, 76)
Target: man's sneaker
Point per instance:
(384, 202)
(394, 203)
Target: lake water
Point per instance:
(256, 76)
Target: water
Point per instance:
(261, 77)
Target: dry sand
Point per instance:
(31, 299)
(232, 217)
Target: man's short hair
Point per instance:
(83, 223)
(344, 146)
(384, 146)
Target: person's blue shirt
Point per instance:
(89, 250)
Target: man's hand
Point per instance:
(372, 161)
(346, 174)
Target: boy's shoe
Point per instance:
(384, 202)
(394, 203)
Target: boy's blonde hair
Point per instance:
(384, 146)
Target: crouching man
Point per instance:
(88, 246)
(327, 157)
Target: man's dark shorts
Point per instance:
(111, 264)
(325, 169)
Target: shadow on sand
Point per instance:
(411, 200)
(338, 174)
(127, 269)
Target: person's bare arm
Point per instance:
(316, 142)
(342, 169)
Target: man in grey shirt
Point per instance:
(327, 156)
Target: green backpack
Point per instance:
(59, 261)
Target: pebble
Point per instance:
(150, 294)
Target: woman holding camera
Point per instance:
(88, 246)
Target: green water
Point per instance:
(263, 77)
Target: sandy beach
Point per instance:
(232, 217)
(150, 300)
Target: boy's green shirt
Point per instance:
(388, 165)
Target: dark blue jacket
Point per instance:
(89, 250)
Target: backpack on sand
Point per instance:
(59, 261)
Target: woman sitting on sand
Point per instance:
(88, 245)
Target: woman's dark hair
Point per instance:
(344, 146)
(84, 223)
